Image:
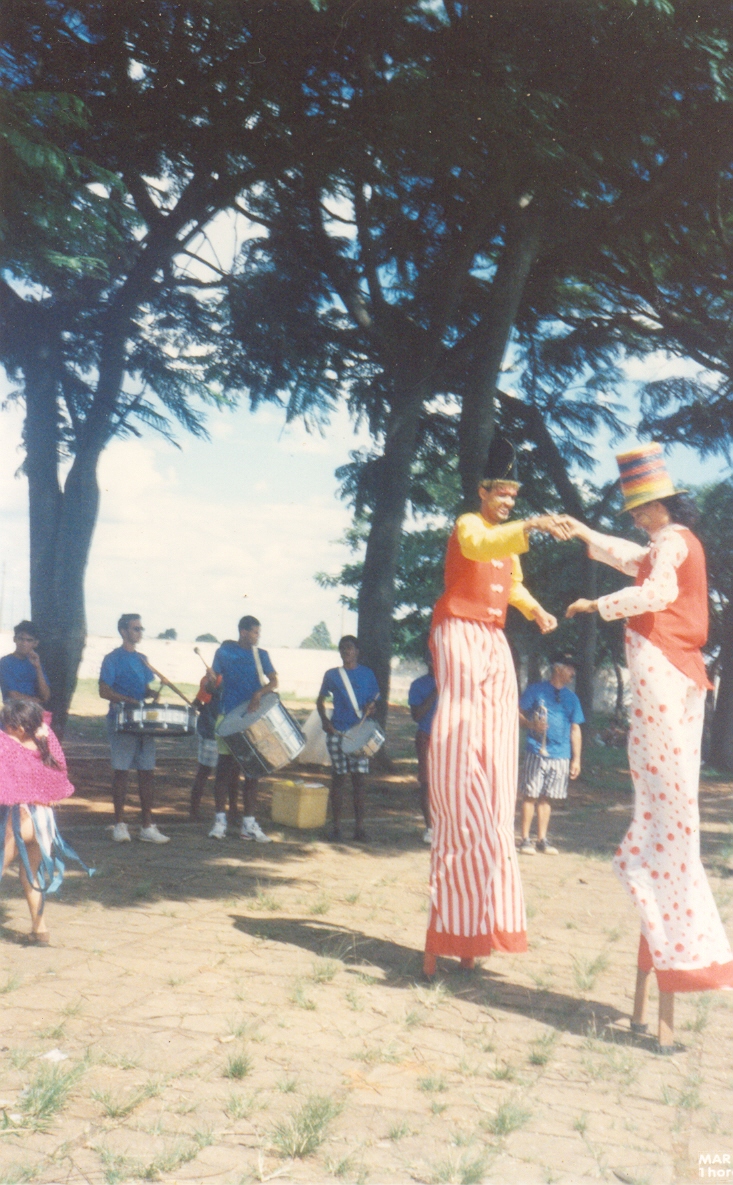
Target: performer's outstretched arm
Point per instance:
(522, 599)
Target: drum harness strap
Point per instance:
(258, 663)
(350, 691)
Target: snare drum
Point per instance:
(363, 740)
(264, 740)
(157, 720)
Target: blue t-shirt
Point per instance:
(364, 682)
(563, 710)
(420, 690)
(239, 678)
(18, 674)
(126, 672)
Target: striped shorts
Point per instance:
(342, 762)
(544, 776)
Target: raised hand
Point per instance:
(582, 605)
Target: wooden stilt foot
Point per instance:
(429, 965)
(641, 1001)
(666, 1021)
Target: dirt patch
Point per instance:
(233, 1012)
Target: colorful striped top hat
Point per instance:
(644, 476)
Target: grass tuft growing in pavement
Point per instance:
(303, 1132)
(47, 1094)
(508, 1118)
(460, 1170)
(586, 971)
(238, 1066)
(120, 1107)
(541, 1049)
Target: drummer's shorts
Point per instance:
(341, 762)
(208, 751)
(128, 751)
(221, 745)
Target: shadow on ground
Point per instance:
(401, 967)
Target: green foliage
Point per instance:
(207, 638)
(168, 635)
(318, 639)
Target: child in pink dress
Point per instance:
(32, 778)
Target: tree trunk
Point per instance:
(41, 468)
(61, 524)
(721, 741)
(376, 594)
(477, 413)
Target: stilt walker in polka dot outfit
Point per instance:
(476, 892)
(658, 861)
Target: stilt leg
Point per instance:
(468, 964)
(666, 1020)
(429, 965)
(641, 1000)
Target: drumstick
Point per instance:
(209, 671)
(168, 683)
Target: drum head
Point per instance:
(239, 718)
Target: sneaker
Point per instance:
(255, 832)
(427, 835)
(121, 833)
(152, 835)
(526, 848)
(546, 848)
(219, 830)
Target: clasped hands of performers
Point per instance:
(564, 527)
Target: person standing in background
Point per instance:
(21, 673)
(246, 675)
(422, 699)
(355, 691)
(124, 679)
(552, 715)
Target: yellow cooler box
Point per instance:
(299, 804)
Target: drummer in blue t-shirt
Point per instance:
(21, 673)
(124, 679)
(422, 699)
(349, 707)
(246, 675)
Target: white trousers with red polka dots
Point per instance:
(658, 861)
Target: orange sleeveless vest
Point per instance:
(475, 590)
(682, 628)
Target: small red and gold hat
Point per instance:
(644, 476)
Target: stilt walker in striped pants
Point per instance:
(658, 860)
(476, 892)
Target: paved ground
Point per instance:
(222, 1008)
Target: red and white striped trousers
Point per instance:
(476, 891)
